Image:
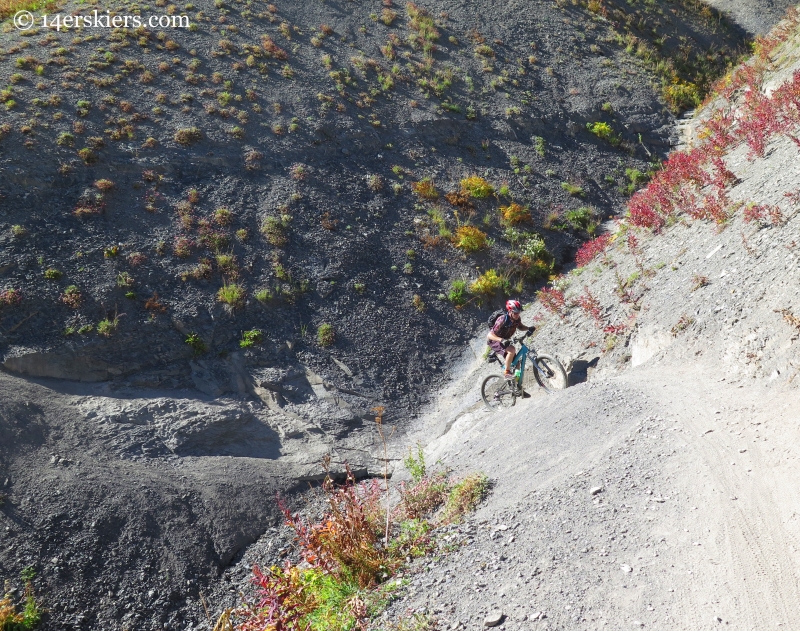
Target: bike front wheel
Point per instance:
(497, 392)
(551, 374)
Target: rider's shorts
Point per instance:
(497, 347)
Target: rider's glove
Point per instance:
(505, 343)
(531, 329)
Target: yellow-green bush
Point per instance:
(488, 283)
(477, 186)
(470, 239)
(681, 95)
(465, 496)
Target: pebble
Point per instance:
(493, 619)
(626, 568)
(596, 490)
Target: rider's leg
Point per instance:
(511, 352)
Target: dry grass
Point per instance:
(10, 7)
(515, 213)
(425, 189)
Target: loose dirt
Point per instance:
(662, 498)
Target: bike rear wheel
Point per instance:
(497, 392)
(551, 374)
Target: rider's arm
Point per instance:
(492, 335)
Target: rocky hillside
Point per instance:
(283, 170)
(703, 264)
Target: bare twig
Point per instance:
(379, 410)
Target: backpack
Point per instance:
(493, 318)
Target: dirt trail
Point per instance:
(661, 498)
(743, 445)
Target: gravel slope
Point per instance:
(757, 18)
(659, 499)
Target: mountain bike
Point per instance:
(497, 391)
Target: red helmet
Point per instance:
(514, 305)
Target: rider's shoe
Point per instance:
(508, 375)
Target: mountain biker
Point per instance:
(499, 337)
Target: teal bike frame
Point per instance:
(519, 360)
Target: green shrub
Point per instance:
(30, 616)
(65, 139)
(415, 465)
(53, 274)
(603, 131)
(108, 326)
(251, 338)
(232, 295)
(572, 189)
(582, 218)
(87, 155)
(263, 295)
(125, 280)
(539, 145)
(465, 496)
(274, 230)
(196, 343)
(457, 292)
(326, 335)
(223, 216)
(635, 179)
(681, 95)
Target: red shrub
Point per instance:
(633, 243)
(793, 197)
(641, 212)
(552, 300)
(10, 297)
(272, 49)
(344, 542)
(775, 215)
(279, 602)
(589, 250)
(754, 212)
(715, 208)
(591, 306)
(758, 212)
